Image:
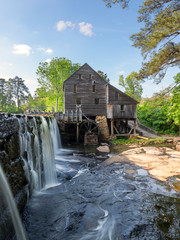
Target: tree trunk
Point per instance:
(18, 103)
(179, 131)
(56, 104)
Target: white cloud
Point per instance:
(62, 25)
(48, 60)
(21, 49)
(121, 73)
(86, 29)
(48, 51)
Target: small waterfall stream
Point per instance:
(48, 154)
(8, 197)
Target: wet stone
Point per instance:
(130, 171)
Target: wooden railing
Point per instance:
(69, 116)
(34, 110)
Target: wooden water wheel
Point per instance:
(88, 127)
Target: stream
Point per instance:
(95, 202)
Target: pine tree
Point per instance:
(158, 39)
(19, 90)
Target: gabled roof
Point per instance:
(83, 67)
(122, 93)
(116, 89)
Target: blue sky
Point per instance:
(81, 30)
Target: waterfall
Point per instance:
(8, 197)
(55, 136)
(39, 141)
(48, 154)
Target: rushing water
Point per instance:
(8, 198)
(38, 145)
(93, 202)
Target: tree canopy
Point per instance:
(103, 75)
(174, 112)
(13, 92)
(132, 85)
(158, 39)
(51, 77)
(162, 111)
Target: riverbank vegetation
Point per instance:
(140, 141)
(162, 111)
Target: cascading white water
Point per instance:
(8, 197)
(38, 146)
(26, 149)
(38, 155)
(54, 130)
(48, 154)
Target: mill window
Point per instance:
(78, 101)
(96, 100)
(75, 88)
(90, 76)
(122, 107)
(116, 95)
(80, 76)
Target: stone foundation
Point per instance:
(103, 126)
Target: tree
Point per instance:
(158, 38)
(19, 89)
(9, 95)
(132, 85)
(2, 93)
(103, 75)
(174, 112)
(52, 75)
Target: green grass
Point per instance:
(137, 140)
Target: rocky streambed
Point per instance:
(122, 197)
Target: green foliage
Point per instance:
(132, 85)
(158, 39)
(51, 77)
(19, 90)
(12, 92)
(109, 3)
(162, 111)
(137, 140)
(104, 76)
(174, 111)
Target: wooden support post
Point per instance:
(134, 126)
(77, 132)
(112, 127)
(67, 116)
(126, 126)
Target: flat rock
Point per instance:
(160, 163)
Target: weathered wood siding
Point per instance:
(116, 97)
(114, 111)
(84, 91)
(120, 105)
